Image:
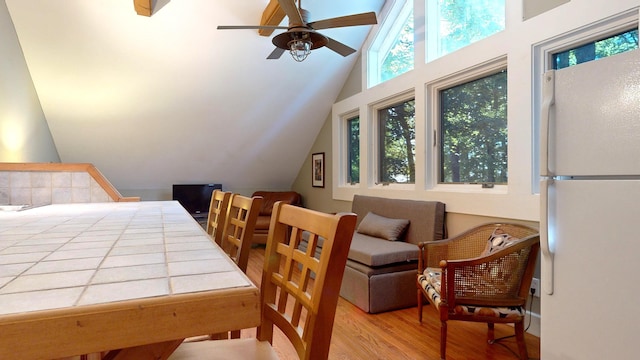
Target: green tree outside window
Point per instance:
(353, 130)
(397, 143)
(459, 23)
(399, 59)
(474, 131)
(597, 50)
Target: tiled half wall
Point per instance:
(42, 184)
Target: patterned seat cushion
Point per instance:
(430, 280)
(499, 312)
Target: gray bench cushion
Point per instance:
(378, 270)
(426, 218)
(372, 251)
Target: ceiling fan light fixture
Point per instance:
(299, 42)
(300, 49)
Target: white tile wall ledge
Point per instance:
(35, 184)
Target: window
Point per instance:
(595, 50)
(391, 53)
(473, 117)
(399, 58)
(397, 143)
(353, 150)
(454, 24)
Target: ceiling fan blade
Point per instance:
(236, 27)
(276, 53)
(349, 20)
(289, 7)
(339, 47)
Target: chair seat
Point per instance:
(240, 349)
(430, 282)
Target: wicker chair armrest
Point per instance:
(500, 279)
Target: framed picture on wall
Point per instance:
(317, 168)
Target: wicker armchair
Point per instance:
(466, 279)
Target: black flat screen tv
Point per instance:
(195, 198)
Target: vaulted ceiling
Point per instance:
(167, 98)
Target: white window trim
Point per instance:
(433, 128)
(432, 46)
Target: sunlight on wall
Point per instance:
(12, 137)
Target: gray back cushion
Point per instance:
(426, 218)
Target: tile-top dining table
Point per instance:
(134, 277)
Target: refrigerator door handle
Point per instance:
(548, 99)
(547, 254)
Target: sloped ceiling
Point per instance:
(153, 101)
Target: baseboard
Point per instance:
(534, 327)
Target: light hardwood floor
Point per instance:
(398, 335)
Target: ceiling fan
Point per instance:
(301, 36)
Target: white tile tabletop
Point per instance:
(67, 255)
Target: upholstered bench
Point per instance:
(383, 257)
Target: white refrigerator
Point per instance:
(590, 210)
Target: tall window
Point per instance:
(454, 24)
(473, 146)
(397, 139)
(595, 50)
(353, 148)
(391, 53)
(399, 58)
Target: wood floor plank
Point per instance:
(398, 334)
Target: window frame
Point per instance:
(432, 38)
(386, 36)
(435, 125)
(347, 165)
(343, 176)
(373, 141)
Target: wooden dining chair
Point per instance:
(217, 214)
(301, 307)
(240, 221)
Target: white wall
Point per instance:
(24, 133)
